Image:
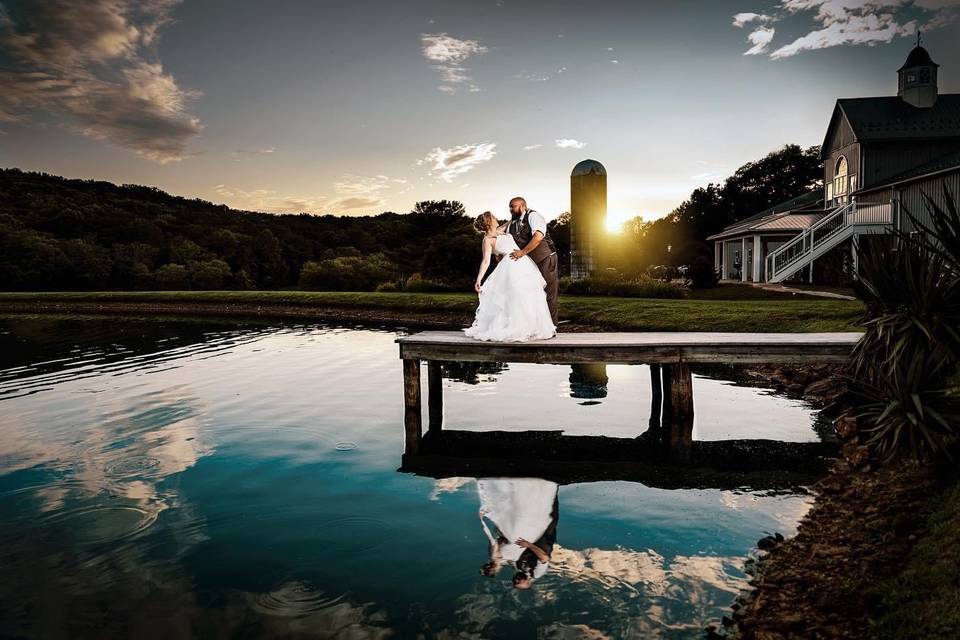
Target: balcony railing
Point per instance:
(825, 233)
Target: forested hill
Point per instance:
(57, 233)
(63, 234)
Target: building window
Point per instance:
(840, 181)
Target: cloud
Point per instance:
(351, 204)
(743, 19)
(452, 162)
(531, 147)
(760, 38)
(241, 153)
(569, 143)
(449, 54)
(269, 201)
(846, 22)
(91, 64)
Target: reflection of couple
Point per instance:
(521, 510)
(518, 301)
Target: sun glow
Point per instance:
(614, 225)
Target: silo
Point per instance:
(588, 217)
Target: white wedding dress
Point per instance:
(513, 305)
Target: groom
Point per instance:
(529, 229)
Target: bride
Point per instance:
(513, 305)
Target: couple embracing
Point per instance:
(518, 301)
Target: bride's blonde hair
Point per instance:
(482, 223)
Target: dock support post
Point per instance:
(678, 410)
(411, 403)
(435, 395)
(656, 401)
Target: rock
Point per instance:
(857, 455)
(846, 427)
(766, 543)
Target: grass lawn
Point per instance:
(773, 314)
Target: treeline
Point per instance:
(679, 237)
(63, 234)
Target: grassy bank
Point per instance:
(767, 314)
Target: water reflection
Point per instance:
(524, 514)
(588, 381)
(204, 479)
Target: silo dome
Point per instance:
(588, 167)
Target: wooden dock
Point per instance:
(669, 355)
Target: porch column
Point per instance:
(717, 253)
(854, 255)
(757, 260)
(810, 279)
(743, 260)
(724, 260)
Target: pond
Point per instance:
(176, 478)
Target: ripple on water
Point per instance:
(98, 524)
(133, 466)
(346, 446)
(291, 599)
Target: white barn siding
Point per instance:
(912, 200)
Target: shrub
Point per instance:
(418, 284)
(642, 287)
(662, 272)
(907, 360)
(347, 273)
(701, 274)
(387, 287)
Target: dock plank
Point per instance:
(636, 347)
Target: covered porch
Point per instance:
(743, 258)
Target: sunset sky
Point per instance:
(361, 107)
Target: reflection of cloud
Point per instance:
(450, 53)
(90, 63)
(452, 162)
(448, 485)
(847, 22)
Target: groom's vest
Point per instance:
(522, 232)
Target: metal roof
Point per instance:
(587, 167)
(919, 57)
(802, 203)
(890, 118)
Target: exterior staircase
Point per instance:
(830, 231)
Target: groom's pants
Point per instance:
(549, 269)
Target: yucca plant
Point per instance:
(908, 359)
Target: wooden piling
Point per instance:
(435, 395)
(411, 401)
(656, 401)
(680, 431)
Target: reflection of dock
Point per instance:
(668, 354)
(724, 464)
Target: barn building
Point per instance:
(880, 155)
